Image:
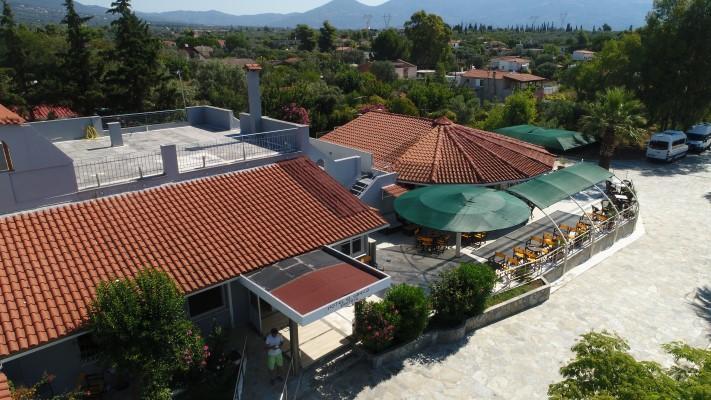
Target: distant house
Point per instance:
(206, 51)
(510, 64)
(455, 44)
(221, 43)
(583, 55)
(405, 70)
(492, 84)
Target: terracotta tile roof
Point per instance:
(253, 67)
(44, 112)
(521, 77)
(5, 393)
(395, 190)
(201, 232)
(8, 117)
(483, 74)
(493, 74)
(515, 59)
(424, 151)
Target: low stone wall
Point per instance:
(441, 336)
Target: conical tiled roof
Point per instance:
(425, 151)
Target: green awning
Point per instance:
(462, 208)
(546, 190)
(552, 139)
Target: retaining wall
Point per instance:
(441, 336)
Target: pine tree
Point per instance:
(81, 72)
(137, 70)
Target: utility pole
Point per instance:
(182, 89)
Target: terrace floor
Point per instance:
(651, 292)
(140, 142)
(96, 163)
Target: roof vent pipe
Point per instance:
(254, 95)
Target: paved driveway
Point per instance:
(646, 293)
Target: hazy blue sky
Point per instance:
(228, 6)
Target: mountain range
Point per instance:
(350, 14)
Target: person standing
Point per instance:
(275, 360)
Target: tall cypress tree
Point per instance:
(14, 57)
(136, 71)
(80, 70)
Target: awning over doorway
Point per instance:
(546, 190)
(308, 287)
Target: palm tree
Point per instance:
(614, 118)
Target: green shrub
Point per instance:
(462, 292)
(375, 324)
(413, 306)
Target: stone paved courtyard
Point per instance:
(647, 293)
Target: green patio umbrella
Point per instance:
(462, 208)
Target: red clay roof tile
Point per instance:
(423, 151)
(201, 232)
(8, 117)
(5, 393)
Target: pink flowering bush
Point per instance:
(296, 114)
(375, 324)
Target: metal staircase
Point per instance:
(361, 186)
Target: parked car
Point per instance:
(667, 146)
(698, 137)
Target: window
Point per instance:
(353, 247)
(346, 248)
(678, 142)
(357, 246)
(88, 349)
(5, 162)
(205, 301)
(658, 145)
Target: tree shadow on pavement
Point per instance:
(708, 196)
(702, 304)
(693, 164)
(362, 375)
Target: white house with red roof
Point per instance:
(232, 208)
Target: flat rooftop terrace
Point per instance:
(142, 142)
(97, 163)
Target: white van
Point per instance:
(699, 137)
(667, 146)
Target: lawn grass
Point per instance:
(510, 294)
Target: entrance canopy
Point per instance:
(546, 190)
(308, 287)
(461, 208)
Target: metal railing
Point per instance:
(513, 276)
(235, 149)
(98, 172)
(145, 119)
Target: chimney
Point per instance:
(254, 95)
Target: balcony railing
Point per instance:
(146, 119)
(98, 172)
(118, 169)
(237, 148)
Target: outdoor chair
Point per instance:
(519, 252)
(498, 258)
(535, 241)
(425, 243)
